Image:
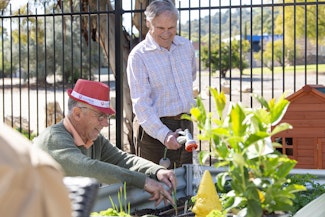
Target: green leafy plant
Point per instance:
(314, 190)
(241, 142)
(122, 209)
(26, 133)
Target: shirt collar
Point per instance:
(76, 137)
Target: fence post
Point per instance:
(119, 74)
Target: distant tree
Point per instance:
(296, 26)
(275, 53)
(231, 55)
(263, 20)
(50, 47)
(4, 4)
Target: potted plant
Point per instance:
(241, 142)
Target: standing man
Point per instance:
(161, 70)
(76, 143)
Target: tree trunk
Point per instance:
(106, 37)
(138, 19)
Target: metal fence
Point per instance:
(44, 49)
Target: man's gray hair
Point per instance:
(157, 7)
(73, 103)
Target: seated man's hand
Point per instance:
(158, 192)
(168, 177)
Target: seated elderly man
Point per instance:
(76, 143)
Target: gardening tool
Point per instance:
(185, 137)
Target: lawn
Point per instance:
(287, 69)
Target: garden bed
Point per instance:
(168, 211)
(139, 199)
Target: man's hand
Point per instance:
(158, 192)
(171, 140)
(168, 177)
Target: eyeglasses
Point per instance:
(100, 116)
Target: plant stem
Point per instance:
(165, 153)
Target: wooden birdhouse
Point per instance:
(306, 141)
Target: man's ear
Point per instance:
(76, 113)
(148, 24)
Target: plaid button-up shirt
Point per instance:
(161, 82)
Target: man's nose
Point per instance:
(166, 33)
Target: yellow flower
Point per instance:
(261, 196)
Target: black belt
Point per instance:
(176, 117)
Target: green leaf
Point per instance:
(220, 101)
(253, 138)
(253, 208)
(281, 127)
(286, 165)
(221, 180)
(199, 112)
(261, 100)
(278, 109)
(237, 117)
(295, 188)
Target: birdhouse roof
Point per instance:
(313, 92)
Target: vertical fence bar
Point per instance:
(230, 52)
(37, 71)
(80, 39)
(316, 29)
(45, 59)
(11, 74)
(240, 51)
(294, 45)
(251, 50)
(19, 71)
(54, 67)
(119, 73)
(305, 42)
(28, 75)
(99, 36)
(63, 25)
(3, 68)
(283, 49)
(262, 51)
(272, 53)
(108, 48)
(89, 42)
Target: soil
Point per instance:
(167, 211)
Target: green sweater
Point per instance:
(102, 160)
